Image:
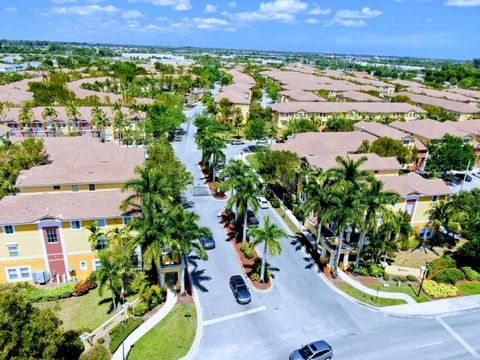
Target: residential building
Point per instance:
(298, 95)
(357, 96)
(4, 132)
(443, 95)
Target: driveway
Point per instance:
(302, 307)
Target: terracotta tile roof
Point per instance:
(239, 91)
(322, 148)
(346, 107)
(467, 92)
(29, 209)
(414, 184)
(457, 107)
(4, 130)
(358, 96)
(427, 128)
(301, 95)
(440, 94)
(471, 127)
(408, 83)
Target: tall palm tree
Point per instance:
(99, 119)
(245, 195)
(211, 146)
(268, 236)
(442, 214)
(402, 229)
(119, 121)
(50, 114)
(109, 276)
(72, 113)
(26, 116)
(376, 201)
(96, 235)
(232, 174)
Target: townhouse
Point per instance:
(63, 124)
(44, 227)
(444, 95)
(322, 111)
(298, 95)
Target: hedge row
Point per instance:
(116, 333)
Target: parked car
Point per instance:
(318, 350)
(189, 105)
(476, 174)
(252, 220)
(280, 141)
(461, 176)
(452, 180)
(263, 141)
(263, 203)
(237, 142)
(208, 243)
(187, 204)
(240, 290)
(250, 149)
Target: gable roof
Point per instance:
(413, 184)
(380, 130)
(427, 128)
(346, 107)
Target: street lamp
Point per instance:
(424, 274)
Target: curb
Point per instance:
(199, 333)
(210, 190)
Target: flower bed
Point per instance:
(218, 195)
(247, 264)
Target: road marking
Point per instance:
(430, 344)
(234, 316)
(459, 338)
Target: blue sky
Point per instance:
(427, 28)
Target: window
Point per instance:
(96, 264)
(74, 188)
(127, 220)
(426, 233)
(21, 273)
(13, 250)
(83, 265)
(101, 223)
(102, 243)
(8, 229)
(375, 171)
(466, 141)
(434, 198)
(75, 225)
(56, 187)
(91, 187)
(406, 142)
(410, 207)
(52, 236)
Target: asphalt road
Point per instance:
(301, 307)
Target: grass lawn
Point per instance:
(287, 220)
(469, 288)
(368, 299)
(252, 159)
(88, 311)
(170, 339)
(404, 288)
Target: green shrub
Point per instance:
(386, 276)
(36, 294)
(412, 278)
(471, 274)
(116, 333)
(399, 278)
(299, 213)
(97, 352)
(449, 276)
(275, 203)
(376, 271)
(363, 271)
(140, 309)
(257, 268)
(248, 250)
(100, 340)
(438, 291)
(255, 277)
(437, 265)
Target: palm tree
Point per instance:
(72, 113)
(232, 174)
(26, 116)
(108, 275)
(268, 236)
(402, 229)
(99, 119)
(96, 235)
(319, 193)
(211, 146)
(376, 201)
(119, 121)
(49, 113)
(442, 214)
(3, 111)
(245, 195)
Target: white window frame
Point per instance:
(427, 233)
(13, 247)
(74, 228)
(18, 273)
(94, 264)
(75, 188)
(4, 230)
(124, 220)
(83, 265)
(102, 226)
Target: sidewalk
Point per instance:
(382, 294)
(436, 307)
(147, 325)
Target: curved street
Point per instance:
(302, 306)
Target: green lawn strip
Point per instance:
(170, 339)
(253, 161)
(469, 288)
(405, 289)
(287, 220)
(368, 299)
(90, 310)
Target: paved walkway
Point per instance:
(382, 294)
(147, 325)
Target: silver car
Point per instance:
(318, 350)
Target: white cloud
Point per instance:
(311, 21)
(277, 10)
(209, 9)
(346, 22)
(10, 9)
(63, 1)
(85, 10)
(283, 6)
(428, 20)
(133, 24)
(320, 11)
(462, 3)
(230, 29)
(132, 14)
(179, 5)
(364, 13)
(232, 4)
(164, 19)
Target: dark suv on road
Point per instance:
(240, 290)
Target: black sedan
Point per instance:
(208, 243)
(252, 220)
(240, 290)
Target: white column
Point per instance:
(345, 260)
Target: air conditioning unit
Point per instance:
(41, 277)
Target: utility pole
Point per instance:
(466, 173)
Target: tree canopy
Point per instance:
(163, 119)
(388, 147)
